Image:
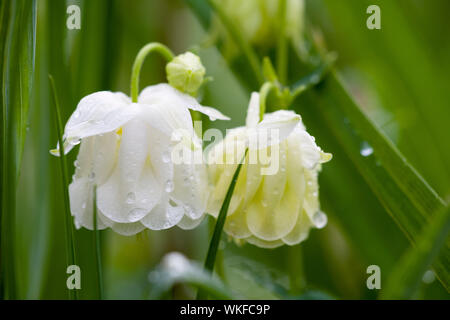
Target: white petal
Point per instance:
(97, 113)
(253, 111)
(163, 216)
(165, 94)
(190, 183)
(97, 157)
(81, 194)
(187, 223)
(133, 189)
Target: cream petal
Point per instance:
(165, 94)
(264, 243)
(236, 224)
(253, 111)
(133, 189)
(226, 156)
(300, 231)
(163, 216)
(274, 210)
(274, 129)
(311, 154)
(98, 113)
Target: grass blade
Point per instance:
(70, 238)
(406, 277)
(97, 245)
(17, 54)
(215, 239)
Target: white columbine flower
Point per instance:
(126, 151)
(273, 207)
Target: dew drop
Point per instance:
(91, 176)
(366, 149)
(83, 206)
(320, 219)
(131, 197)
(76, 164)
(166, 156)
(428, 277)
(315, 194)
(169, 186)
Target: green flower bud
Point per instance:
(185, 73)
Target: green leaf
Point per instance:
(217, 234)
(405, 195)
(176, 269)
(17, 54)
(407, 275)
(69, 236)
(393, 182)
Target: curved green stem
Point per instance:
(142, 54)
(249, 53)
(266, 88)
(282, 42)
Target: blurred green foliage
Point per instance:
(398, 75)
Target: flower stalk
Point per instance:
(163, 50)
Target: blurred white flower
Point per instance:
(126, 151)
(269, 209)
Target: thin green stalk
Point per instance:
(247, 50)
(69, 235)
(282, 42)
(142, 54)
(296, 271)
(214, 244)
(98, 252)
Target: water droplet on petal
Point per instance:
(131, 197)
(315, 194)
(320, 219)
(91, 176)
(83, 206)
(366, 149)
(169, 186)
(166, 156)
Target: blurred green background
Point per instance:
(398, 75)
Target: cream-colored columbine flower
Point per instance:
(275, 208)
(126, 151)
(259, 22)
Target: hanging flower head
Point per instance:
(275, 200)
(259, 21)
(126, 151)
